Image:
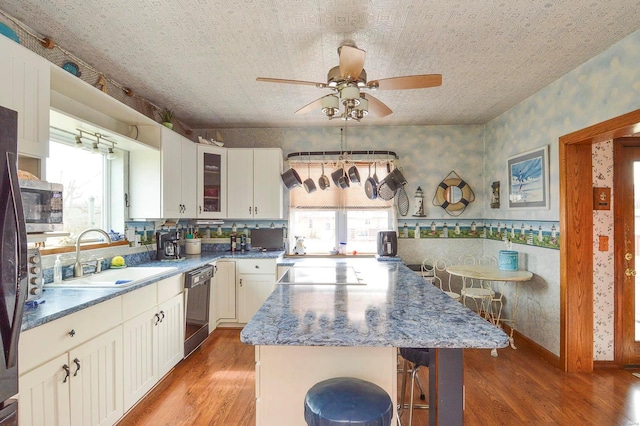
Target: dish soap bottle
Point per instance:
(57, 271)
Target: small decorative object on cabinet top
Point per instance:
(166, 117)
(453, 194)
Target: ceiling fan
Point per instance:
(347, 81)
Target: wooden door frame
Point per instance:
(576, 241)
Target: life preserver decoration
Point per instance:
(446, 189)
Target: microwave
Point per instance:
(42, 205)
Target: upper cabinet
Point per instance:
(25, 88)
(212, 182)
(254, 186)
(163, 183)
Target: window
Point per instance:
(93, 187)
(328, 218)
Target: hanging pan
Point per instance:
(370, 186)
(309, 184)
(323, 180)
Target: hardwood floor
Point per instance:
(215, 386)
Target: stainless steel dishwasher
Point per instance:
(197, 284)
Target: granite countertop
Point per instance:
(58, 302)
(396, 307)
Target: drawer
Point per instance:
(256, 266)
(40, 344)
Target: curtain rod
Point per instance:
(324, 153)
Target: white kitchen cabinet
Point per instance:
(25, 88)
(154, 339)
(80, 387)
(211, 182)
(254, 183)
(163, 183)
(256, 280)
(223, 294)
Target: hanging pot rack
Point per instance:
(377, 153)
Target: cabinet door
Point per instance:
(253, 290)
(140, 348)
(171, 173)
(44, 394)
(170, 334)
(96, 380)
(25, 88)
(267, 191)
(212, 182)
(189, 181)
(225, 291)
(240, 183)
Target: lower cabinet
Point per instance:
(253, 290)
(223, 294)
(153, 344)
(80, 387)
(256, 279)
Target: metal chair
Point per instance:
(418, 358)
(440, 265)
(477, 290)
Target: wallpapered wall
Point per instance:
(604, 87)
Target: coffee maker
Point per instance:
(387, 243)
(168, 247)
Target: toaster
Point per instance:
(387, 243)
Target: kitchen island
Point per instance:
(306, 332)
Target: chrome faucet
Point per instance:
(77, 267)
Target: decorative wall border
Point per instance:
(544, 234)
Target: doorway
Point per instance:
(626, 153)
(576, 247)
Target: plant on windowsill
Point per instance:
(166, 117)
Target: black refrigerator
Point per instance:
(13, 265)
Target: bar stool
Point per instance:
(347, 401)
(419, 358)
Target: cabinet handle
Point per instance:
(249, 209)
(257, 266)
(72, 333)
(240, 282)
(199, 209)
(162, 313)
(157, 319)
(66, 373)
(255, 210)
(77, 363)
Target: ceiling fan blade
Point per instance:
(376, 107)
(409, 82)
(317, 104)
(301, 82)
(351, 62)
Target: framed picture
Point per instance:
(529, 179)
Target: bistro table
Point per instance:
(497, 278)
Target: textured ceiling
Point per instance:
(201, 58)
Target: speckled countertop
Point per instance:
(396, 307)
(58, 302)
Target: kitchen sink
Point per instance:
(112, 278)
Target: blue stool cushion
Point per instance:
(417, 356)
(347, 401)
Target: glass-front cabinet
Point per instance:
(212, 182)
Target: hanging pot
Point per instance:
(370, 187)
(354, 174)
(291, 179)
(340, 178)
(323, 180)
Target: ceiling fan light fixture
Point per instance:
(361, 110)
(330, 105)
(349, 93)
